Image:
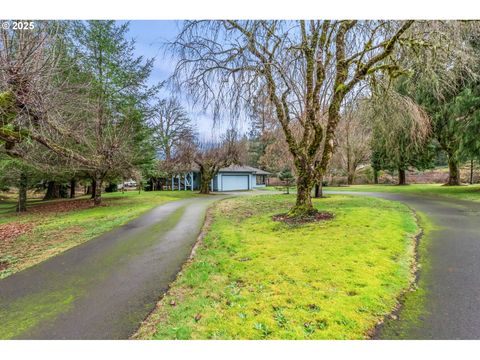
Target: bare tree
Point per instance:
(171, 126)
(306, 68)
(34, 88)
(353, 147)
(210, 156)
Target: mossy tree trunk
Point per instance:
(451, 146)
(318, 193)
(207, 172)
(453, 171)
(306, 179)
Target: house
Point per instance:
(231, 178)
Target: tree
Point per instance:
(210, 156)
(16, 173)
(466, 111)
(116, 94)
(171, 130)
(171, 127)
(288, 179)
(35, 92)
(276, 156)
(264, 130)
(353, 141)
(440, 72)
(400, 133)
(307, 69)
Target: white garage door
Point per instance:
(234, 182)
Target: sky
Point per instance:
(149, 36)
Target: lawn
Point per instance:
(253, 278)
(464, 192)
(49, 228)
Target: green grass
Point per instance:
(54, 232)
(464, 192)
(253, 278)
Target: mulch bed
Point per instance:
(315, 217)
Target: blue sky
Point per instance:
(149, 36)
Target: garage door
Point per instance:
(234, 182)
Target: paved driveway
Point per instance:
(103, 288)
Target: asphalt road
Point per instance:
(452, 282)
(104, 288)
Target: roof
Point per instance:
(244, 168)
(237, 168)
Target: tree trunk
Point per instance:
(205, 184)
(350, 178)
(471, 171)
(22, 193)
(375, 176)
(54, 191)
(73, 184)
(97, 200)
(453, 172)
(402, 178)
(303, 206)
(50, 194)
(318, 193)
(94, 188)
(152, 186)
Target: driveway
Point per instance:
(452, 282)
(103, 288)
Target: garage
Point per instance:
(235, 182)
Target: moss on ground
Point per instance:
(254, 278)
(31, 310)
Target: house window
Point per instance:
(261, 179)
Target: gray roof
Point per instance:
(244, 168)
(236, 168)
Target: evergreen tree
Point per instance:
(116, 133)
(288, 179)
